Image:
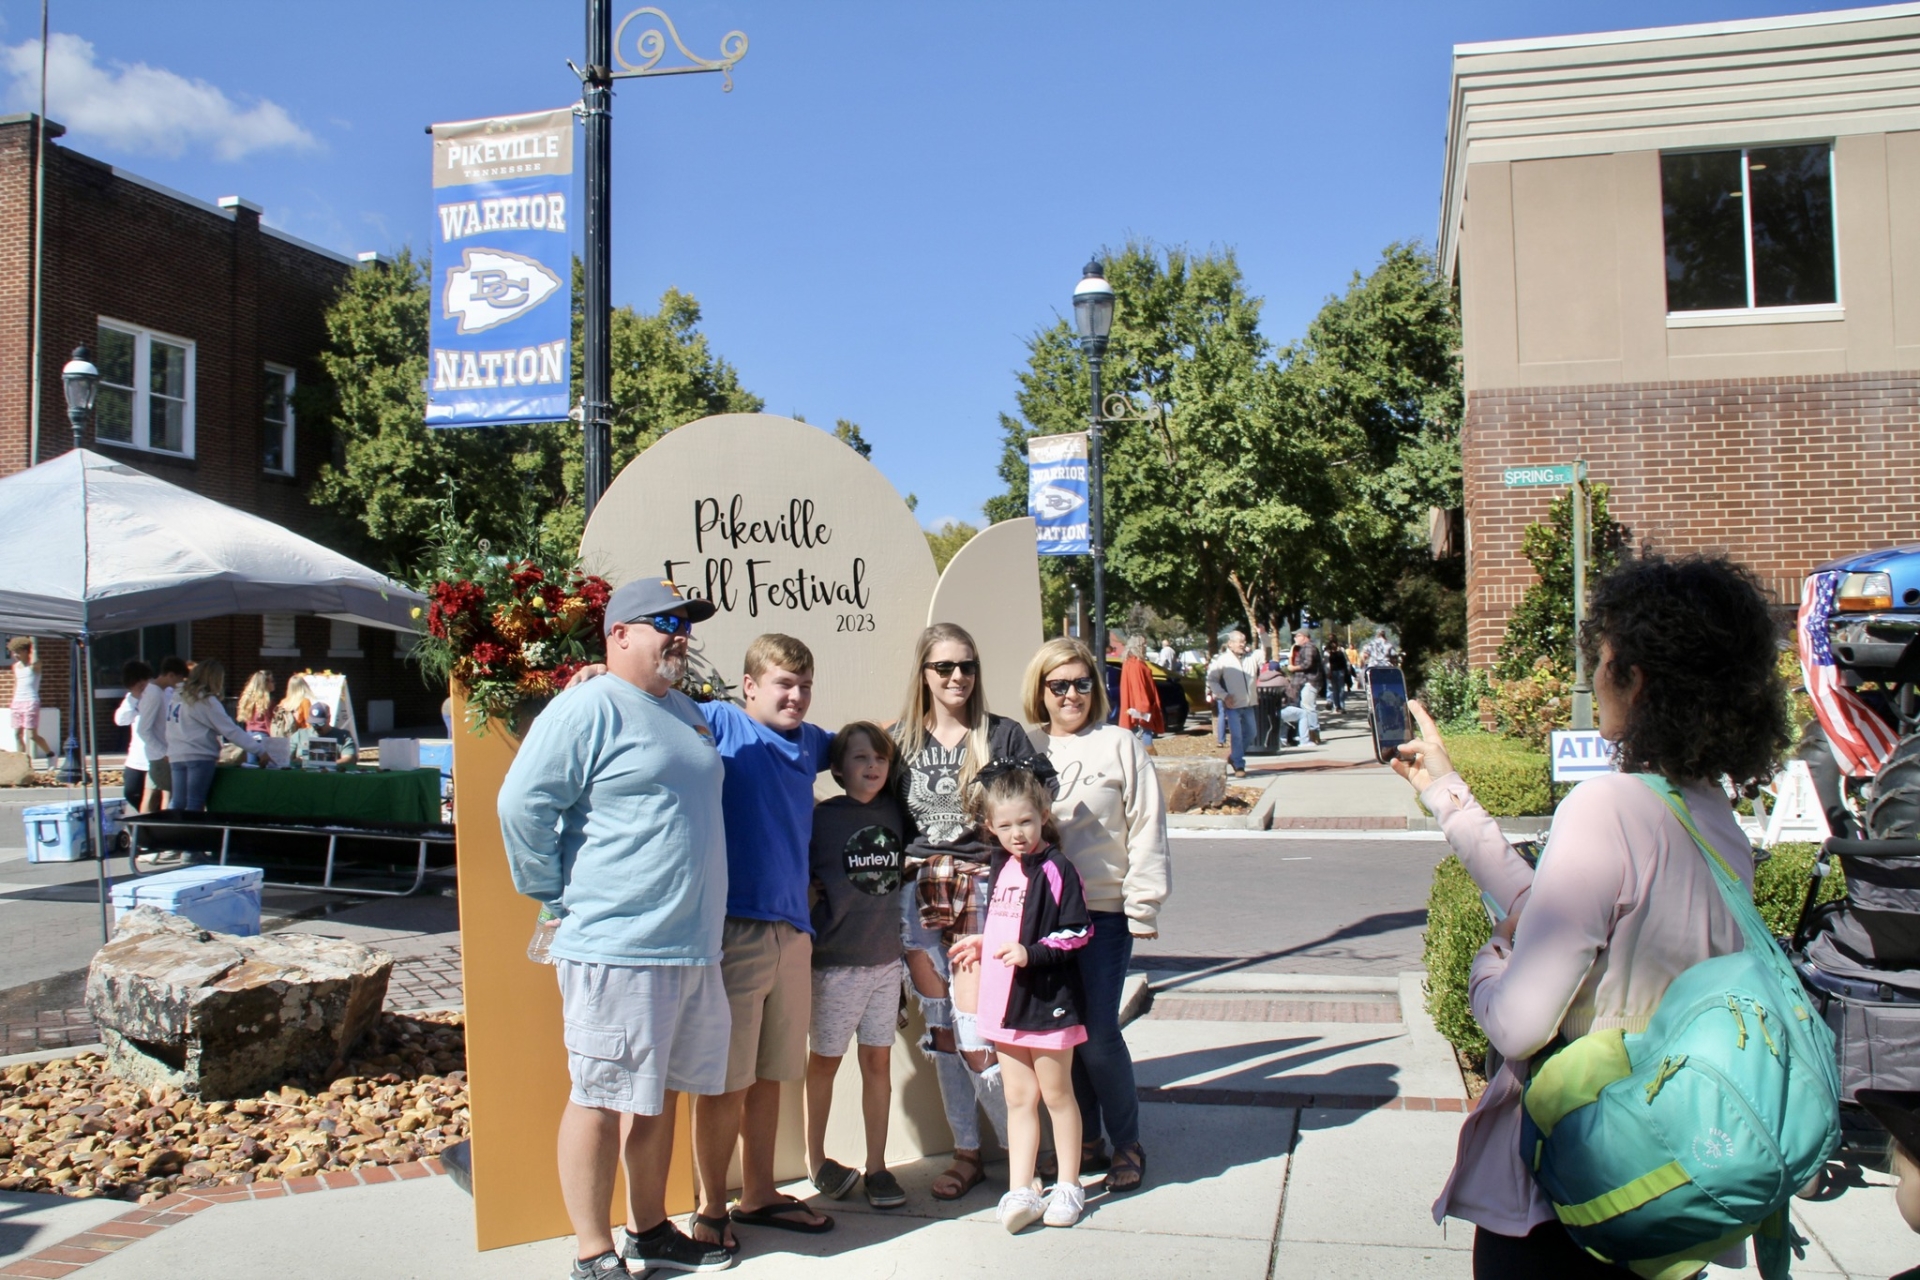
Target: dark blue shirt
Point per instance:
(768, 802)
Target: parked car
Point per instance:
(1173, 698)
(1876, 618)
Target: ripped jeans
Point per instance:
(963, 1092)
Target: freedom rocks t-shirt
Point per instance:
(857, 858)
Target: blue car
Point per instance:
(1876, 617)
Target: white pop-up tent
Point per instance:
(89, 546)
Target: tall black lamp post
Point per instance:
(1093, 318)
(81, 380)
(605, 64)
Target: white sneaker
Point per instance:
(1020, 1208)
(1066, 1204)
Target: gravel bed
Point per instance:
(71, 1128)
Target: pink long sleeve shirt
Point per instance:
(1623, 902)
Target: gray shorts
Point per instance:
(850, 998)
(634, 1031)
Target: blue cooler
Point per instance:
(218, 899)
(58, 832)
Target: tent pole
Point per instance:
(95, 834)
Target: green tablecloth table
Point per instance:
(348, 795)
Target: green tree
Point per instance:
(1541, 625)
(389, 470)
(946, 541)
(848, 433)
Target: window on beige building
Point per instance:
(1750, 228)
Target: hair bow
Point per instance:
(1040, 767)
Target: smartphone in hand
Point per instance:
(1387, 710)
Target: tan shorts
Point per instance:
(767, 966)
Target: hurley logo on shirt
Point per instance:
(873, 859)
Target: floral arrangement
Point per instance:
(509, 630)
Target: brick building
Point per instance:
(202, 322)
(1691, 256)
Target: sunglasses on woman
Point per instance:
(970, 667)
(1060, 688)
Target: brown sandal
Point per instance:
(956, 1182)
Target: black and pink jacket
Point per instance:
(1046, 993)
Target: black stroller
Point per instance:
(1859, 958)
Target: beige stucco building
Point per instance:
(1691, 255)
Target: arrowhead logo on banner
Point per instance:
(1053, 501)
(492, 286)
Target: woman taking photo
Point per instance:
(946, 737)
(1683, 654)
(1113, 828)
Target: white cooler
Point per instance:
(218, 899)
(58, 832)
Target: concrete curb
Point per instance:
(1315, 983)
(1425, 1037)
(1136, 997)
(51, 1055)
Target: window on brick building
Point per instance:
(1749, 229)
(276, 420)
(145, 399)
(277, 636)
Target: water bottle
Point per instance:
(544, 927)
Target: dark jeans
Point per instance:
(1547, 1250)
(1337, 691)
(1102, 1067)
(133, 786)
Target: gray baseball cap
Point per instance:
(645, 597)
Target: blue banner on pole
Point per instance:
(1057, 493)
(501, 308)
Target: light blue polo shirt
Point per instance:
(613, 807)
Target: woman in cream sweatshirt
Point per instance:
(1113, 828)
(1683, 654)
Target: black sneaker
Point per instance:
(884, 1190)
(666, 1248)
(607, 1266)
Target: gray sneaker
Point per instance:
(665, 1248)
(607, 1266)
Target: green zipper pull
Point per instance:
(1734, 1005)
(1772, 1048)
(1669, 1067)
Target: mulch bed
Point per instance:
(71, 1128)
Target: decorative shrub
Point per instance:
(1457, 927)
(1506, 776)
(1534, 705)
(1452, 693)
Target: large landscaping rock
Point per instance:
(16, 768)
(219, 1016)
(1190, 783)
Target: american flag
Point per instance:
(1861, 738)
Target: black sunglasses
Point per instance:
(971, 667)
(671, 624)
(1060, 688)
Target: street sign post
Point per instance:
(1574, 475)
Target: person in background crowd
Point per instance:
(291, 711)
(1379, 651)
(172, 674)
(254, 710)
(1310, 668)
(320, 726)
(1339, 671)
(946, 736)
(1167, 658)
(1230, 683)
(143, 711)
(195, 725)
(858, 860)
(1686, 683)
(1112, 819)
(611, 816)
(1139, 700)
(26, 696)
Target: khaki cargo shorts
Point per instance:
(767, 966)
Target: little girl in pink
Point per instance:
(1030, 990)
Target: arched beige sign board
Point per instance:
(992, 588)
(785, 529)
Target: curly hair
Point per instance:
(1713, 704)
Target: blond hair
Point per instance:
(256, 699)
(208, 679)
(919, 706)
(776, 650)
(20, 647)
(1047, 659)
(298, 691)
(1011, 786)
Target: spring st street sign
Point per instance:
(1527, 477)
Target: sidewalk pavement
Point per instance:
(1337, 784)
(1297, 1125)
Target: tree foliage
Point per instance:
(848, 433)
(946, 541)
(1541, 625)
(387, 478)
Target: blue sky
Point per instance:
(892, 197)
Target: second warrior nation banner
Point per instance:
(502, 302)
(1057, 493)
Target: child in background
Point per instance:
(291, 711)
(857, 857)
(1030, 988)
(26, 696)
(254, 711)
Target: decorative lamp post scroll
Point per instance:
(605, 64)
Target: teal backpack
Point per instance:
(1662, 1149)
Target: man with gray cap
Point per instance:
(611, 815)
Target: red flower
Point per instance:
(526, 575)
(487, 655)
